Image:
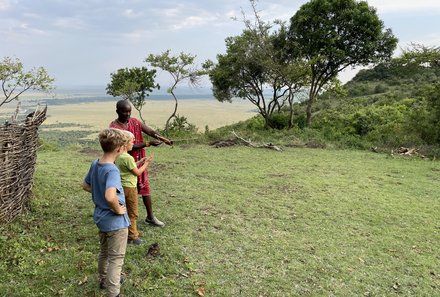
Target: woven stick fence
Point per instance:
(18, 146)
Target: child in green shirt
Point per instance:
(130, 170)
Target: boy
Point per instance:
(129, 174)
(104, 182)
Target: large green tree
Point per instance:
(335, 34)
(133, 84)
(181, 68)
(15, 80)
(256, 67)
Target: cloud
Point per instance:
(70, 23)
(30, 15)
(13, 30)
(181, 17)
(5, 4)
(394, 6)
(134, 36)
(432, 39)
(194, 21)
(130, 13)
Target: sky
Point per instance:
(81, 42)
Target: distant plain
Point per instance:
(92, 109)
(98, 115)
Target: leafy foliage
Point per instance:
(180, 68)
(258, 68)
(133, 84)
(15, 80)
(391, 105)
(335, 34)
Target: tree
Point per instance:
(133, 84)
(15, 80)
(417, 59)
(180, 68)
(257, 67)
(335, 34)
(421, 55)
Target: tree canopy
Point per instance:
(335, 34)
(256, 67)
(15, 80)
(133, 84)
(181, 67)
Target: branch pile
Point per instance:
(404, 151)
(240, 140)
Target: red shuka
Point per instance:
(135, 127)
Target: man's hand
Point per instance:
(165, 140)
(168, 141)
(154, 143)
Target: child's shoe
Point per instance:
(136, 241)
(103, 286)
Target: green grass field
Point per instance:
(240, 222)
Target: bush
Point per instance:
(256, 123)
(380, 88)
(180, 124)
(279, 120)
(44, 145)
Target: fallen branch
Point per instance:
(249, 143)
(224, 143)
(403, 151)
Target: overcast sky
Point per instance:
(80, 42)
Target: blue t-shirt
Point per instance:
(101, 177)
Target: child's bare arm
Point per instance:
(86, 187)
(112, 199)
(146, 161)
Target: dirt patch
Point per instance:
(154, 168)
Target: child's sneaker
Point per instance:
(136, 241)
(154, 222)
(103, 286)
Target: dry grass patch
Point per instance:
(98, 115)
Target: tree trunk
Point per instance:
(140, 116)
(173, 114)
(309, 112)
(312, 94)
(290, 100)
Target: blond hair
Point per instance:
(111, 139)
(128, 136)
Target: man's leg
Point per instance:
(148, 206)
(151, 219)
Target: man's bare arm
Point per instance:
(150, 132)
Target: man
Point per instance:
(125, 122)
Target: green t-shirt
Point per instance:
(126, 163)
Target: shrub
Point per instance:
(256, 123)
(44, 145)
(180, 124)
(380, 88)
(279, 120)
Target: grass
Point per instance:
(240, 222)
